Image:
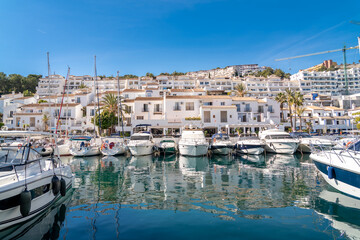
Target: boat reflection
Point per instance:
(342, 211)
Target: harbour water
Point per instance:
(222, 197)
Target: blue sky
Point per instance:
(139, 36)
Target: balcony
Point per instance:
(177, 108)
(247, 110)
(145, 110)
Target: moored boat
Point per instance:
(111, 146)
(141, 144)
(29, 184)
(278, 141)
(249, 144)
(221, 144)
(193, 143)
(82, 146)
(307, 141)
(340, 168)
(167, 146)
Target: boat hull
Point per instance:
(344, 181)
(221, 150)
(114, 151)
(250, 149)
(12, 216)
(167, 150)
(85, 151)
(281, 147)
(193, 150)
(141, 150)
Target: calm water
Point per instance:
(249, 197)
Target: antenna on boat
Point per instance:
(49, 73)
(120, 107)
(62, 100)
(97, 96)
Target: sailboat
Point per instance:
(82, 146)
(115, 145)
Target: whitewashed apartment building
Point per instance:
(328, 82)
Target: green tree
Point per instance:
(82, 86)
(290, 102)
(45, 119)
(300, 111)
(280, 73)
(298, 102)
(108, 120)
(150, 75)
(240, 90)
(281, 98)
(42, 101)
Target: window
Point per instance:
(207, 103)
(247, 108)
(223, 116)
(207, 116)
(270, 109)
(77, 100)
(238, 109)
(139, 117)
(177, 106)
(145, 108)
(157, 108)
(189, 106)
(11, 114)
(222, 103)
(92, 112)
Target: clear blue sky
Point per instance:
(139, 36)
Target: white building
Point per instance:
(328, 82)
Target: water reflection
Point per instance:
(279, 188)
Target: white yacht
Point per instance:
(193, 143)
(249, 144)
(29, 184)
(63, 147)
(111, 146)
(82, 146)
(340, 167)
(278, 141)
(307, 141)
(141, 144)
(221, 144)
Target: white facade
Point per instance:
(328, 82)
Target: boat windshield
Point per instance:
(282, 136)
(14, 156)
(355, 146)
(223, 137)
(140, 138)
(300, 134)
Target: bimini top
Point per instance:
(220, 136)
(80, 138)
(26, 134)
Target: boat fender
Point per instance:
(55, 185)
(331, 172)
(62, 187)
(19, 146)
(25, 203)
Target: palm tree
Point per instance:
(299, 112)
(289, 94)
(240, 90)
(110, 103)
(308, 126)
(281, 98)
(298, 101)
(45, 120)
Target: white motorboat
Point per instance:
(306, 141)
(111, 146)
(167, 146)
(193, 143)
(29, 184)
(277, 141)
(63, 147)
(221, 144)
(141, 144)
(340, 168)
(82, 146)
(250, 144)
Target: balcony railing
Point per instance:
(145, 110)
(247, 110)
(177, 108)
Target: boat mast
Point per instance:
(67, 109)
(49, 72)
(120, 107)
(62, 100)
(96, 87)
